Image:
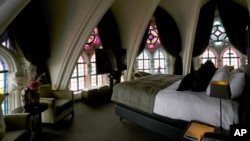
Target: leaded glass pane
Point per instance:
(143, 62)
(218, 43)
(146, 64)
(74, 74)
(73, 84)
(80, 69)
(100, 80)
(93, 65)
(218, 34)
(80, 60)
(159, 62)
(208, 55)
(230, 57)
(93, 80)
(81, 83)
(93, 68)
(78, 80)
(153, 40)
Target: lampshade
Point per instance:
(220, 89)
(231, 68)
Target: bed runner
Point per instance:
(140, 93)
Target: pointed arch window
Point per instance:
(220, 49)
(208, 54)
(94, 40)
(153, 39)
(218, 34)
(3, 85)
(96, 80)
(159, 62)
(84, 75)
(143, 61)
(78, 79)
(230, 57)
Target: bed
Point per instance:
(155, 103)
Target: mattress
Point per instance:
(190, 105)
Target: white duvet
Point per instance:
(189, 105)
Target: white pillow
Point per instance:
(235, 71)
(223, 69)
(2, 124)
(237, 83)
(221, 74)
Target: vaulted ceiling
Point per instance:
(71, 22)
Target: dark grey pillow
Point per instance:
(203, 76)
(186, 82)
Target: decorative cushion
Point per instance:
(221, 74)
(186, 82)
(203, 76)
(2, 124)
(237, 84)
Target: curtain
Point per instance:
(203, 29)
(170, 36)
(235, 19)
(248, 43)
(28, 32)
(3, 36)
(110, 38)
(109, 32)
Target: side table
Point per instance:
(34, 110)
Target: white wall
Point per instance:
(8, 11)
(71, 22)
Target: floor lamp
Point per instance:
(221, 90)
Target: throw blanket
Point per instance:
(140, 93)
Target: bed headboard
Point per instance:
(244, 109)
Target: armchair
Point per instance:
(15, 127)
(60, 103)
(18, 127)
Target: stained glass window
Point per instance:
(3, 85)
(219, 42)
(159, 62)
(6, 44)
(93, 40)
(153, 40)
(143, 61)
(208, 55)
(230, 57)
(78, 78)
(218, 34)
(96, 80)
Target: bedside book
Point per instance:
(196, 129)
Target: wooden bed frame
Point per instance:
(172, 129)
(169, 128)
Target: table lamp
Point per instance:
(221, 90)
(231, 68)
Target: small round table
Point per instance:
(34, 110)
